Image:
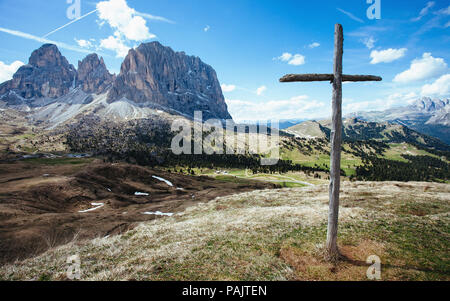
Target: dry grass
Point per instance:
(272, 235)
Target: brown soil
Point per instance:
(40, 204)
(312, 266)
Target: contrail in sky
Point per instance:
(71, 22)
(145, 15)
(42, 40)
(350, 15)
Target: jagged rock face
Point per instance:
(93, 76)
(47, 75)
(154, 75)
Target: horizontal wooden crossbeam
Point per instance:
(328, 77)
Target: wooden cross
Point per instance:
(336, 132)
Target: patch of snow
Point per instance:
(159, 213)
(163, 180)
(137, 193)
(98, 205)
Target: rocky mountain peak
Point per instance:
(152, 77)
(156, 76)
(47, 75)
(48, 56)
(93, 76)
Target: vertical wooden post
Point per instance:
(336, 140)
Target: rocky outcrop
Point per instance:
(93, 76)
(48, 74)
(154, 75)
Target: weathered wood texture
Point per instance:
(336, 140)
(327, 77)
(336, 132)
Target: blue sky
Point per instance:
(251, 44)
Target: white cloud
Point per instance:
(441, 87)
(7, 71)
(261, 90)
(285, 57)
(116, 44)
(207, 28)
(137, 30)
(396, 99)
(127, 23)
(447, 25)
(314, 45)
(424, 11)
(401, 98)
(292, 59)
(124, 20)
(228, 88)
(387, 56)
(444, 11)
(84, 43)
(369, 42)
(299, 98)
(297, 60)
(421, 69)
(295, 107)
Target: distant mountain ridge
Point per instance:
(356, 129)
(153, 79)
(426, 115)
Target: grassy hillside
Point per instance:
(304, 148)
(371, 151)
(355, 129)
(272, 235)
(370, 154)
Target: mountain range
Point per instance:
(153, 79)
(354, 129)
(425, 115)
(158, 84)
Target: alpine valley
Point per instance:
(50, 108)
(77, 140)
